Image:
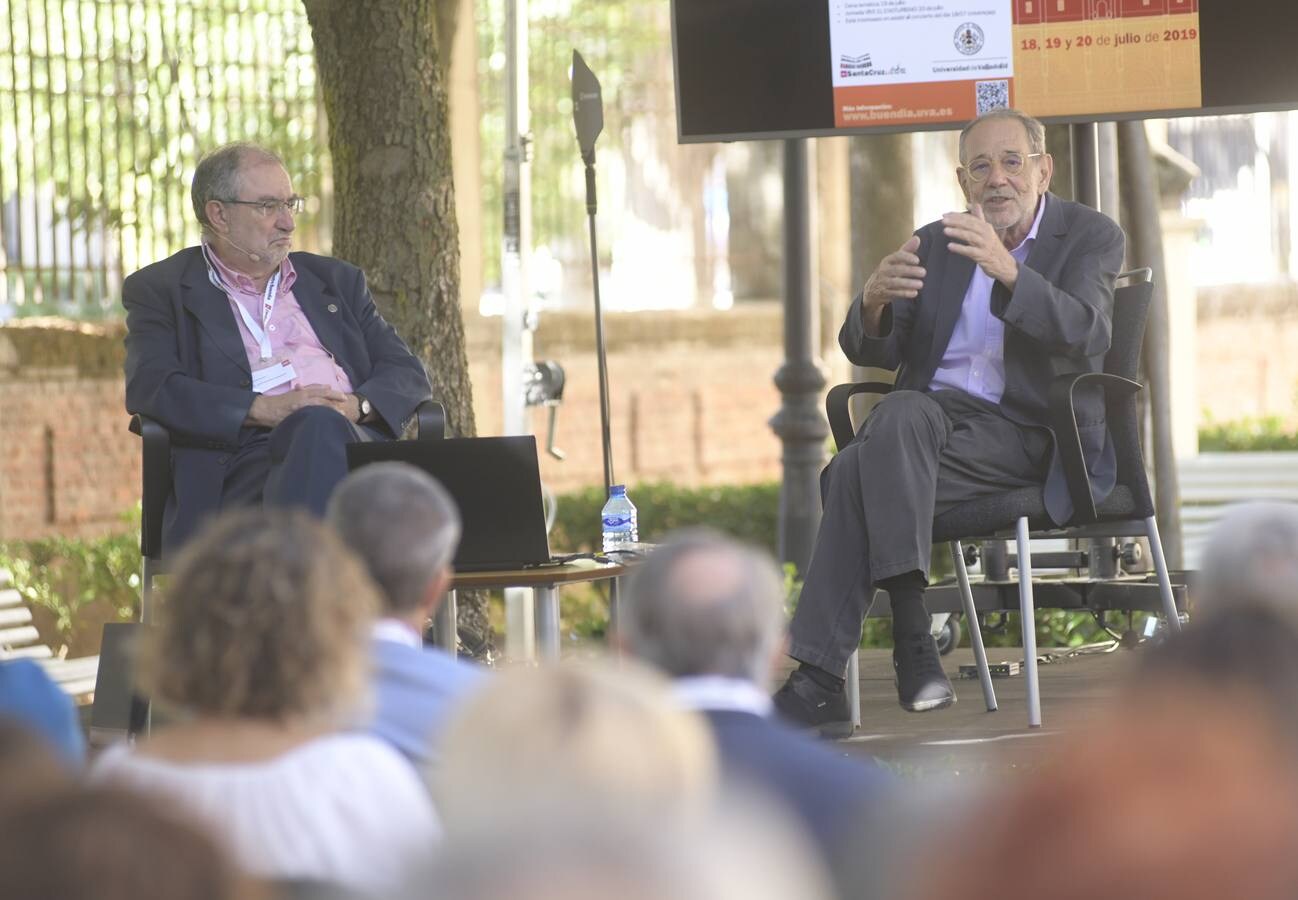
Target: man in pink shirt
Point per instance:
(262, 363)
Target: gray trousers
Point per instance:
(917, 455)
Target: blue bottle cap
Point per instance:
(617, 489)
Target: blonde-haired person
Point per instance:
(260, 648)
(609, 737)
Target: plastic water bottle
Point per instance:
(619, 520)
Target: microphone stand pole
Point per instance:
(588, 113)
(600, 351)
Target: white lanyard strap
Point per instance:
(258, 330)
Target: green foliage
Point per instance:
(626, 44)
(748, 512)
(74, 586)
(1264, 433)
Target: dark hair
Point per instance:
(112, 844)
(401, 523)
(217, 175)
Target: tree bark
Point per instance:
(1140, 191)
(382, 70)
(394, 202)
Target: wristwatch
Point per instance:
(366, 408)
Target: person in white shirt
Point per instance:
(260, 652)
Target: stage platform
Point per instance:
(966, 737)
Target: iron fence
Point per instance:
(105, 108)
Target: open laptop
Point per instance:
(496, 483)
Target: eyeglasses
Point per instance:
(293, 205)
(1011, 164)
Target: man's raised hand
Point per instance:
(973, 236)
(899, 274)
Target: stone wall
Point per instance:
(1247, 351)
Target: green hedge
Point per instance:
(749, 512)
(1266, 433)
(74, 586)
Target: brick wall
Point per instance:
(690, 396)
(1246, 359)
(691, 393)
(68, 466)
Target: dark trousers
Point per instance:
(917, 455)
(297, 463)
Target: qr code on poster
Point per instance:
(992, 95)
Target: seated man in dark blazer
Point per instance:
(262, 363)
(709, 612)
(977, 312)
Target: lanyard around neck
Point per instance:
(258, 330)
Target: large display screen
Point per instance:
(787, 68)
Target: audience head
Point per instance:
(610, 736)
(1184, 793)
(1252, 557)
(404, 526)
(1248, 648)
(31, 697)
(28, 769)
(577, 853)
(112, 845)
(705, 604)
(266, 617)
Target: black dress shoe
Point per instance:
(805, 704)
(921, 683)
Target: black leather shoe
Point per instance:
(921, 683)
(805, 704)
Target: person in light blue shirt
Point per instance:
(30, 698)
(405, 527)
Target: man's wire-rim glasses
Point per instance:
(1011, 164)
(269, 207)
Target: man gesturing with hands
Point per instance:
(977, 312)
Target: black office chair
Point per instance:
(1020, 514)
(430, 425)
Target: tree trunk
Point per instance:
(1140, 190)
(394, 202)
(383, 77)
(883, 216)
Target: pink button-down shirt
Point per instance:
(974, 360)
(291, 335)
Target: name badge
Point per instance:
(272, 376)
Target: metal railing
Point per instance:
(105, 108)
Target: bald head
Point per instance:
(1252, 557)
(705, 604)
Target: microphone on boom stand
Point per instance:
(588, 116)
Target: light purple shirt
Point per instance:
(291, 335)
(974, 360)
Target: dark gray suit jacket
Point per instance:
(187, 368)
(1058, 321)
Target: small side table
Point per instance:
(544, 582)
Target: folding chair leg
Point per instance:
(1164, 579)
(1027, 612)
(975, 632)
(854, 687)
(146, 589)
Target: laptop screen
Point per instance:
(496, 483)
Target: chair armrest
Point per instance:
(430, 421)
(1063, 419)
(155, 482)
(836, 408)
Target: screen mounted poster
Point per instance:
(928, 62)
